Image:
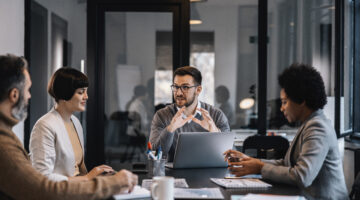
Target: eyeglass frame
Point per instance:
(181, 88)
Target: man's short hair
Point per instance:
(65, 81)
(188, 70)
(11, 74)
(301, 83)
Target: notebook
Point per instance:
(201, 149)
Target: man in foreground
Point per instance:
(18, 179)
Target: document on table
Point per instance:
(231, 176)
(138, 192)
(240, 183)
(198, 193)
(265, 197)
(179, 183)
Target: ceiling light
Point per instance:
(194, 14)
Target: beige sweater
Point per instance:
(19, 180)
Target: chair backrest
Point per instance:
(268, 147)
(116, 129)
(355, 191)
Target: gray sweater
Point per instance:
(162, 118)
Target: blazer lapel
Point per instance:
(289, 155)
(63, 134)
(79, 132)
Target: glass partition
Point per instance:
(138, 75)
(223, 46)
(299, 31)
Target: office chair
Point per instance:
(123, 131)
(267, 147)
(355, 191)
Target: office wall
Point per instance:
(75, 15)
(12, 37)
(223, 21)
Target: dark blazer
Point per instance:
(312, 162)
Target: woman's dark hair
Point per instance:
(301, 83)
(188, 70)
(11, 74)
(65, 81)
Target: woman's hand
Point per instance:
(234, 156)
(246, 166)
(96, 171)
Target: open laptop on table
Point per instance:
(201, 149)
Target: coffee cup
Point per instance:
(162, 188)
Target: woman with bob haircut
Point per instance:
(313, 161)
(57, 140)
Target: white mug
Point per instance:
(162, 188)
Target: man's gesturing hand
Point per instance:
(207, 122)
(177, 121)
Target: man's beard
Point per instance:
(188, 103)
(19, 111)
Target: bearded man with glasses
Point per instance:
(187, 114)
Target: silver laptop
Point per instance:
(201, 149)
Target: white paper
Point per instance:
(178, 183)
(265, 197)
(240, 183)
(138, 192)
(198, 193)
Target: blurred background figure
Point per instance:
(222, 95)
(138, 112)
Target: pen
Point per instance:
(151, 155)
(159, 155)
(149, 146)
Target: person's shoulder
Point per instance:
(167, 110)
(320, 124)
(47, 120)
(4, 134)
(210, 108)
(7, 139)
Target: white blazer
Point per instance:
(51, 151)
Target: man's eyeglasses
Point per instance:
(183, 88)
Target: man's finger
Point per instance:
(206, 116)
(187, 119)
(197, 121)
(202, 110)
(181, 110)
